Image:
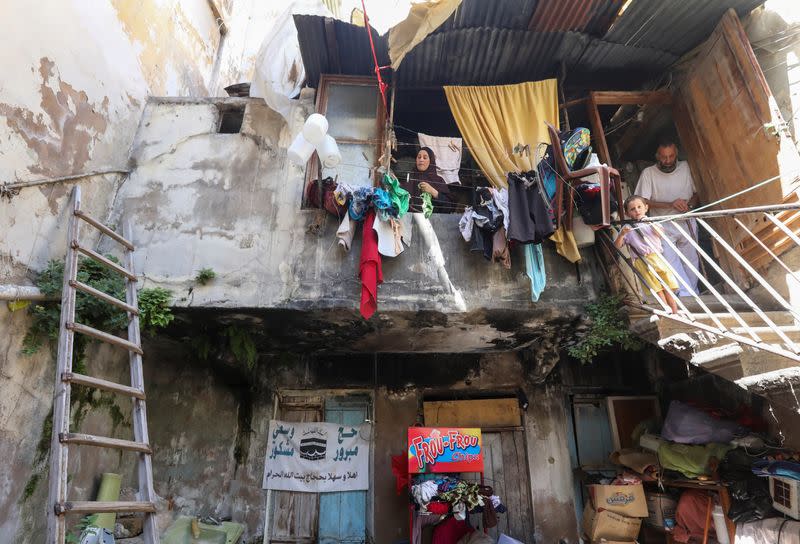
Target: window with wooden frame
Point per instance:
(356, 120)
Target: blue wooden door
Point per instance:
(590, 442)
(343, 516)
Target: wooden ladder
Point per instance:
(58, 504)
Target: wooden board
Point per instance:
(625, 413)
(721, 106)
(295, 515)
(483, 413)
(506, 471)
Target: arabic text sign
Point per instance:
(444, 449)
(317, 457)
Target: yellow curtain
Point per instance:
(494, 120)
(423, 18)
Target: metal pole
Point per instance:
(735, 287)
(267, 528)
(726, 213)
(728, 334)
(768, 250)
(23, 292)
(752, 271)
(34, 183)
(708, 285)
(778, 223)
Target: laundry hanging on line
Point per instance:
(448, 155)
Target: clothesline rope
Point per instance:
(676, 217)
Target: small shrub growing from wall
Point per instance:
(607, 327)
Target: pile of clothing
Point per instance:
(501, 218)
(445, 502)
(386, 226)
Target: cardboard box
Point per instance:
(609, 525)
(628, 500)
(660, 506)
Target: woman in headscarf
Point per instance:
(424, 179)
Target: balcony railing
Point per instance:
(728, 290)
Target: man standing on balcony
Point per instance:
(669, 189)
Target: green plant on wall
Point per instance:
(45, 316)
(85, 522)
(242, 345)
(607, 328)
(154, 309)
(205, 275)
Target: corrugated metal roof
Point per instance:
(509, 14)
(488, 42)
(590, 16)
(672, 25)
(600, 54)
(479, 56)
(352, 43)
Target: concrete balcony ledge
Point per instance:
(232, 202)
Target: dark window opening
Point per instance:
(426, 110)
(230, 120)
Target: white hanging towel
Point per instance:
(448, 155)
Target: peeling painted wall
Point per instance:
(77, 76)
(232, 202)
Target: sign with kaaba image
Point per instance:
(317, 457)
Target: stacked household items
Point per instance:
(702, 476)
(448, 503)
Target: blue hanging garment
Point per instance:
(534, 267)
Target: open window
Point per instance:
(426, 110)
(231, 117)
(356, 120)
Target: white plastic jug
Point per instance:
(315, 128)
(300, 150)
(329, 152)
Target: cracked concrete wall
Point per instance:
(208, 424)
(232, 202)
(76, 78)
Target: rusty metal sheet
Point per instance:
(722, 104)
(590, 16)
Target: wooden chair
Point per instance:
(566, 179)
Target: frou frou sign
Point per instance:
(444, 449)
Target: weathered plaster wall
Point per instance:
(25, 428)
(232, 202)
(209, 422)
(77, 78)
(24, 406)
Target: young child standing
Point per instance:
(644, 243)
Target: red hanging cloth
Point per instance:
(370, 270)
